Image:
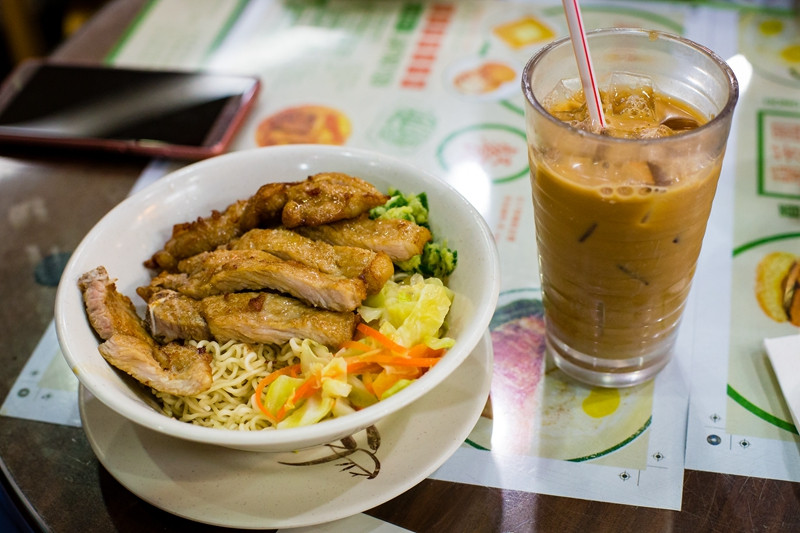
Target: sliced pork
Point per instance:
(202, 235)
(172, 368)
(374, 268)
(109, 311)
(322, 198)
(222, 271)
(172, 315)
(328, 197)
(265, 207)
(399, 239)
(188, 375)
(255, 317)
(271, 318)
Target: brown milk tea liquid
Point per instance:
(619, 240)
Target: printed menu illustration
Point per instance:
(752, 418)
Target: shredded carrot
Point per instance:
(292, 371)
(387, 359)
(371, 364)
(423, 350)
(387, 343)
(384, 382)
(305, 390)
(420, 350)
(419, 356)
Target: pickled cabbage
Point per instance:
(411, 311)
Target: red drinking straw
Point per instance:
(578, 36)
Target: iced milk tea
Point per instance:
(620, 218)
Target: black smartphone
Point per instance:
(177, 114)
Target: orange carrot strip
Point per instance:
(381, 338)
(408, 372)
(305, 390)
(291, 370)
(420, 350)
(395, 361)
(423, 350)
(384, 382)
(436, 353)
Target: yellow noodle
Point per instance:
(236, 369)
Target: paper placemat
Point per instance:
(399, 100)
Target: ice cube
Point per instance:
(564, 90)
(566, 101)
(630, 96)
(653, 132)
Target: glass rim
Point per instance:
(724, 113)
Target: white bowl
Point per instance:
(140, 225)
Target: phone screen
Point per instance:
(146, 107)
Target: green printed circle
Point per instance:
(494, 147)
(764, 240)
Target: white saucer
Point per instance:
(232, 488)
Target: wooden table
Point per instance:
(59, 484)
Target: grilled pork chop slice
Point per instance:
(189, 373)
(171, 316)
(322, 198)
(374, 268)
(264, 317)
(328, 197)
(203, 234)
(399, 239)
(246, 317)
(172, 368)
(109, 311)
(222, 271)
(266, 205)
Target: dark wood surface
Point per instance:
(49, 200)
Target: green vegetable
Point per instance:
(397, 387)
(281, 390)
(436, 258)
(313, 409)
(411, 312)
(359, 395)
(413, 208)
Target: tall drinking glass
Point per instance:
(621, 214)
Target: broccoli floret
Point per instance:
(410, 265)
(438, 260)
(435, 260)
(411, 207)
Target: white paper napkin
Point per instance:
(784, 353)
